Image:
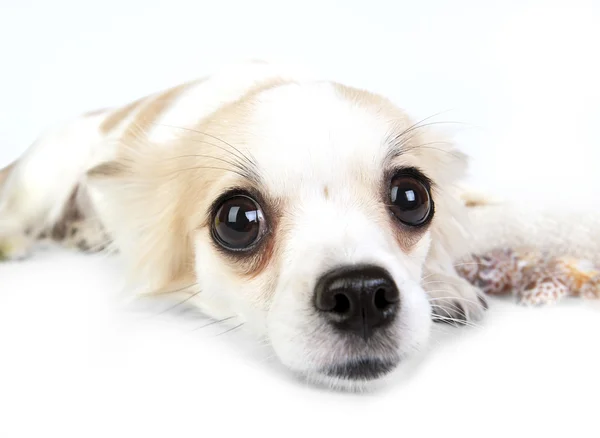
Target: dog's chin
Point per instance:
(354, 376)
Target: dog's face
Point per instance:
(308, 211)
(319, 208)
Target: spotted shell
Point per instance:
(532, 276)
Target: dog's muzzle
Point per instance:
(360, 302)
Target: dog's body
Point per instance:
(315, 159)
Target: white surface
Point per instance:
(522, 75)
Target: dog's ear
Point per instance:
(447, 166)
(147, 223)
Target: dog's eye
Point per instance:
(410, 200)
(239, 223)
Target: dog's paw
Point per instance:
(454, 300)
(15, 247)
(85, 235)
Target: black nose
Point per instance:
(357, 299)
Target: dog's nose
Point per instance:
(357, 299)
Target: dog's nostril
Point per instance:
(380, 300)
(385, 297)
(342, 304)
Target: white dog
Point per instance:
(320, 215)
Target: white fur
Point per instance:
(35, 192)
(211, 93)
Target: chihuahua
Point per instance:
(321, 216)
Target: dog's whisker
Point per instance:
(400, 140)
(243, 175)
(180, 303)
(210, 157)
(423, 146)
(447, 306)
(416, 124)
(217, 321)
(454, 265)
(231, 329)
(449, 298)
(449, 316)
(471, 263)
(453, 301)
(242, 155)
(250, 164)
(457, 321)
(447, 281)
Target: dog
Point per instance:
(320, 216)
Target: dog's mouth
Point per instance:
(364, 369)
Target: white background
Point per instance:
(523, 77)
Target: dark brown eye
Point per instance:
(238, 223)
(410, 200)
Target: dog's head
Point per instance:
(308, 211)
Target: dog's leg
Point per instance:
(453, 299)
(42, 195)
(78, 227)
(16, 236)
